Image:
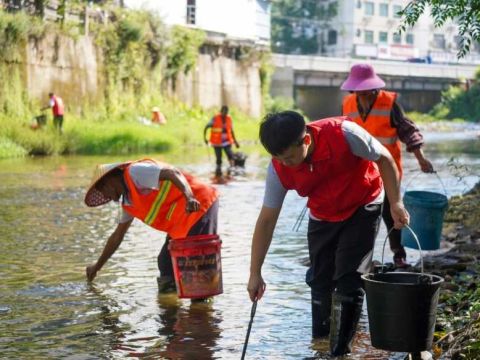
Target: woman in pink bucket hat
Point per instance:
(378, 112)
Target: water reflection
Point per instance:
(47, 237)
(190, 332)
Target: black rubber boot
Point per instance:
(321, 309)
(166, 284)
(218, 171)
(346, 311)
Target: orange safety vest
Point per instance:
(218, 128)
(378, 122)
(57, 108)
(164, 209)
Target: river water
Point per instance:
(47, 237)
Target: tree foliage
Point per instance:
(297, 23)
(466, 13)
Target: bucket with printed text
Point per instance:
(197, 266)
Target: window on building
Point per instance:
(332, 37)
(439, 41)
(397, 38)
(396, 10)
(358, 33)
(369, 8)
(191, 12)
(383, 37)
(368, 36)
(409, 39)
(458, 41)
(383, 9)
(359, 4)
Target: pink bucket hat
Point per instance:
(362, 77)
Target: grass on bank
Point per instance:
(126, 132)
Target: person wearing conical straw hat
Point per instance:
(159, 195)
(378, 112)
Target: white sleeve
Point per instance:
(145, 175)
(274, 190)
(361, 143)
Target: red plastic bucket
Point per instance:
(197, 266)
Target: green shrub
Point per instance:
(9, 149)
(418, 117)
(458, 103)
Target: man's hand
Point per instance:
(205, 141)
(237, 144)
(192, 204)
(426, 166)
(91, 272)
(256, 287)
(400, 215)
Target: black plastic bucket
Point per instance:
(402, 310)
(402, 306)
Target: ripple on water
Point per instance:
(48, 237)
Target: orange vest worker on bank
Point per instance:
(221, 137)
(377, 112)
(159, 195)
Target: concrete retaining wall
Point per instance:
(73, 69)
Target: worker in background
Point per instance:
(222, 137)
(378, 112)
(56, 103)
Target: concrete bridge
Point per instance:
(314, 81)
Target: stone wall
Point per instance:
(72, 68)
(65, 66)
(218, 80)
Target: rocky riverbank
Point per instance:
(457, 333)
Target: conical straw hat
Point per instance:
(93, 197)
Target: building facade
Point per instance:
(236, 19)
(368, 29)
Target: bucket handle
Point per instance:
(416, 239)
(436, 174)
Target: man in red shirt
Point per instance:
(56, 103)
(344, 172)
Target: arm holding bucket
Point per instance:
(177, 178)
(425, 164)
(111, 246)
(262, 237)
(391, 182)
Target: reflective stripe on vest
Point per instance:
(217, 130)
(159, 200)
(378, 122)
(164, 209)
(373, 112)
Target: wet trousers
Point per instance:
(207, 224)
(338, 249)
(218, 155)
